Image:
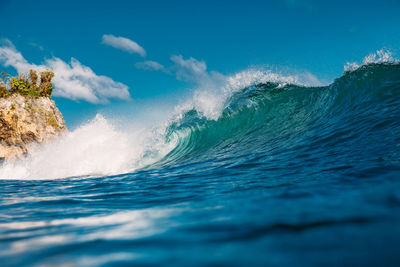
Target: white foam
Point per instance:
(380, 56)
(212, 94)
(94, 149)
(98, 148)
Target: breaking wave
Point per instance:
(250, 113)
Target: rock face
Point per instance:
(25, 120)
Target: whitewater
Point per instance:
(99, 147)
(256, 167)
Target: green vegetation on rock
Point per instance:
(3, 90)
(27, 85)
(51, 120)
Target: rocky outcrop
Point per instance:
(25, 120)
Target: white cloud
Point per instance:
(150, 65)
(73, 81)
(9, 56)
(123, 44)
(191, 69)
(76, 81)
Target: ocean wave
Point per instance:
(379, 57)
(249, 112)
(94, 149)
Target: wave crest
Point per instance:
(379, 57)
(242, 113)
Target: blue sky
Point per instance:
(178, 40)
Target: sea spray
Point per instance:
(95, 148)
(221, 113)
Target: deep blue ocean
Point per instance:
(285, 175)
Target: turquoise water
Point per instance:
(286, 175)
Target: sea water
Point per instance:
(258, 168)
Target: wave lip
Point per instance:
(267, 115)
(251, 112)
(379, 57)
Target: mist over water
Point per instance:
(257, 167)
